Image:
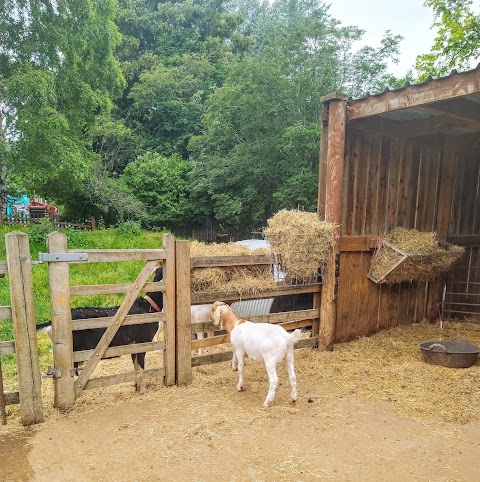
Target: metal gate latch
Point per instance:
(65, 257)
(52, 373)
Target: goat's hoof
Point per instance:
(239, 389)
(293, 402)
(235, 369)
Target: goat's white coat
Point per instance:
(262, 342)
(201, 314)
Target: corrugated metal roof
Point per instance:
(408, 84)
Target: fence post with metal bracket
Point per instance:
(59, 280)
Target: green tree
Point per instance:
(160, 183)
(458, 38)
(58, 72)
(258, 150)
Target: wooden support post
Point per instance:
(184, 318)
(24, 326)
(93, 223)
(3, 412)
(335, 155)
(59, 280)
(169, 306)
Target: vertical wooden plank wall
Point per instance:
(24, 325)
(388, 183)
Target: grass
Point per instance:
(88, 273)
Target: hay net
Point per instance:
(244, 280)
(407, 255)
(303, 242)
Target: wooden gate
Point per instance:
(67, 386)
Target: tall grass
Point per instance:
(88, 273)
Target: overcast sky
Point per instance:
(408, 18)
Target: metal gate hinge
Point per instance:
(65, 257)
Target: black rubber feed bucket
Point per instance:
(452, 354)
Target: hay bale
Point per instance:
(302, 240)
(243, 280)
(411, 255)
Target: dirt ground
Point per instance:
(208, 431)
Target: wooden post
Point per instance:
(3, 412)
(169, 304)
(184, 317)
(93, 223)
(59, 280)
(24, 326)
(335, 156)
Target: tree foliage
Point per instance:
(58, 71)
(458, 38)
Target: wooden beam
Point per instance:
(461, 109)
(110, 255)
(234, 260)
(335, 158)
(122, 288)
(435, 124)
(447, 88)
(229, 296)
(104, 321)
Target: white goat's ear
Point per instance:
(217, 316)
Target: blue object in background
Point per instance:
(16, 205)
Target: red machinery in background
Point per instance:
(37, 209)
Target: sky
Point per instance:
(408, 18)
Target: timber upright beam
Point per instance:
(59, 280)
(331, 179)
(184, 317)
(169, 308)
(24, 325)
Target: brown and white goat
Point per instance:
(261, 342)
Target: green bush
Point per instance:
(37, 233)
(130, 227)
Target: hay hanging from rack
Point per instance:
(244, 280)
(411, 255)
(302, 240)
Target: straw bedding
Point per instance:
(303, 241)
(386, 368)
(239, 279)
(384, 267)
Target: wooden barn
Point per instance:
(408, 157)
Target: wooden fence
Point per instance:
(177, 344)
(17, 220)
(289, 320)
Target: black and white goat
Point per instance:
(126, 335)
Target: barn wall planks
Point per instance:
(390, 183)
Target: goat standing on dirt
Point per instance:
(261, 342)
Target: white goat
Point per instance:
(261, 342)
(201, 314)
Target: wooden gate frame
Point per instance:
(67, 389)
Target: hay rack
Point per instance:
(403, 266)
